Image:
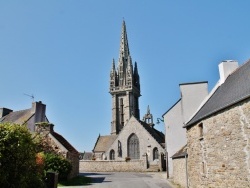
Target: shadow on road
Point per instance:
(96, 177)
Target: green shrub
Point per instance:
(18, 157)
(55, 163)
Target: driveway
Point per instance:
(127, 180)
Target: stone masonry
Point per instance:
(179, 172)
(220, 155)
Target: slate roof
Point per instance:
(181, 153)
(235, 89)
(64, 142)
(22, 116)
(157, 135)
(87, 155)
(18, 117)
(104, 142)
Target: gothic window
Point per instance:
(112, 155)
(133, 147)
(119, 149)
(155, 153)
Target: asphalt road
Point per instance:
(127, 180)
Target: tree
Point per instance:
(18, 157)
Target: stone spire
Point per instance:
(124, 87)
(113, 76)
(124, 49)
(136, 77)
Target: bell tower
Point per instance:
(124, 87)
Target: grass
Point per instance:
(79, 180)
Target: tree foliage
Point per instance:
(18, 157)
(55, 163)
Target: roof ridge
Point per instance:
(147, 128)
(233, 90)
(64, 142)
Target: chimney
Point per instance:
(39, 109)
(226, 68)
(44, 128)
(4, 112)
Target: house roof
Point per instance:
(64, 142)
(181, 153)
(18, 117)
(104, 142)
(235, 89)
(87, 155)
(22, 116)
(157, 135)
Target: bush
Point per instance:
(18, 158)
(55, 163)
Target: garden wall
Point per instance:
(113, 166)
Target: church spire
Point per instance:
(124, 87)
(124, 49)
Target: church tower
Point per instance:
(124, 87)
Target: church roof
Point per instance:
(18, 117)
(104, 142)
(157, 135)
(235, 89)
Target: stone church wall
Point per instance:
(147, 142)
(221, 157)
(113, 166)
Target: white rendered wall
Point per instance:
(192, 94)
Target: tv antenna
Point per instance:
(31, 96)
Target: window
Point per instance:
(200, 130)
(155, 153)
(119, 149)
(133, 147)
(112, 155)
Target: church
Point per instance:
(130, 137)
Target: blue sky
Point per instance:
(61, 52)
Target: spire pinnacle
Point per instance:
(148, 110)
(124, 49)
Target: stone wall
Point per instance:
(221, 157)
(51, 145)
(147, 142)
(74, 160)
(113, 166)
(179, 171)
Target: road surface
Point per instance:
(126, 180)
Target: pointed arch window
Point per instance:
(119, 148)
(155, 153)
(112, 155)
(133, 147)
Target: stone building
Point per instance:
(192, 94)
(179, 160)
(36, 121)
(218, 135)
(130, 138)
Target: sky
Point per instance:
(61, 52)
